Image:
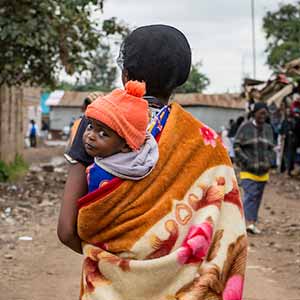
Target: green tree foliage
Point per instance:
(196, 82)
(112, 27)
(282, 29)
(102, 73)
(100, 76)
(39, 37)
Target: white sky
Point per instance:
(219, 32)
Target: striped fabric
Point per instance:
(253, 148)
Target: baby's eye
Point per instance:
(89, 127)
(102, 133)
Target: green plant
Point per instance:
(197, 81)
(281, 28)
(39, 38)
(4, 172)
(14, 170)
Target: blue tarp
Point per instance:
(45, 108)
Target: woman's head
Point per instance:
(160, 55)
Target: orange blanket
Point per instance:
(177, 234)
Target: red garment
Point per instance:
(295, 108)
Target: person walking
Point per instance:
(288, 140)
(32, 133)
(254, 154)
(295, 111)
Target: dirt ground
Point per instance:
(35, 266)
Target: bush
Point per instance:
(4, 173)
(14, 170)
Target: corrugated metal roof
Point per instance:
(74, 99)
(54, 98)
(215, 100)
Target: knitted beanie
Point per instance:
(124, 111)
(258, 106)
(158, 54)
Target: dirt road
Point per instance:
(43, 269)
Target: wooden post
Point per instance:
(11, 123)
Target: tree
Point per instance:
(196, 82)
(282, 29)
(38, 38)
(102, 73)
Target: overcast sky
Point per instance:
(219, 32)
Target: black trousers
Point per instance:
(290, 153)
(32, 140)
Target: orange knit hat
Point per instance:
(124, 111)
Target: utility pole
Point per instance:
(253, 38)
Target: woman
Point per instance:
(254, 152)
(178, 233)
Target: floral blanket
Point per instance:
(177, 234)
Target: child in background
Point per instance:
(116, 136)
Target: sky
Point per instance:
(219, 32)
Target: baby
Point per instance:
(117, 136)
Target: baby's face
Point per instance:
(100, 140)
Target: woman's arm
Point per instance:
(75, 188)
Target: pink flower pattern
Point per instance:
(234, 288)
(209, 136)
(196, 244)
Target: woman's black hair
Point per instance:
(160, 55)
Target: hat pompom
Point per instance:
(135, 88)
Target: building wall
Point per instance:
(11, 123)
(214, 117)
(62, 116)
(31, 106)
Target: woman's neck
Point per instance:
(156, 101)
